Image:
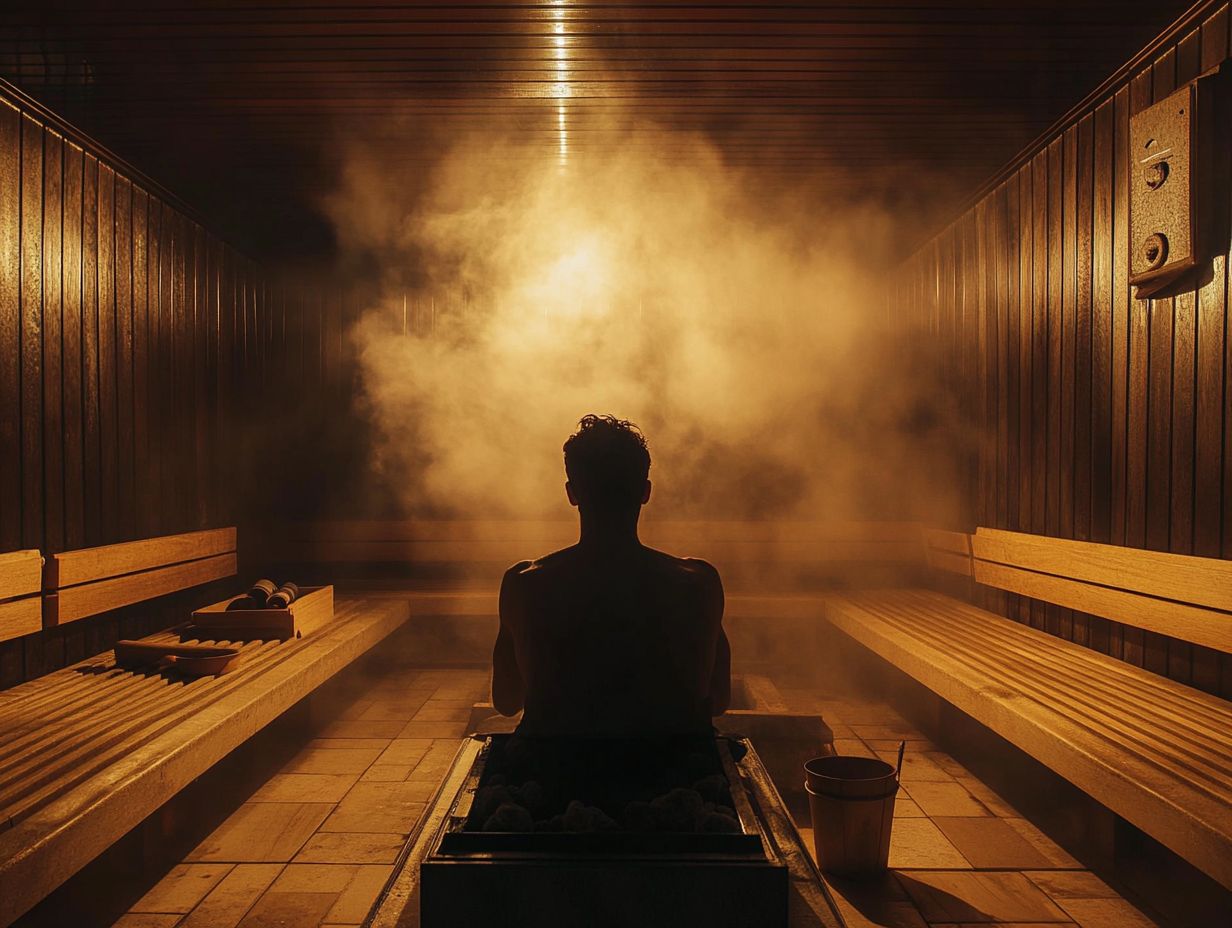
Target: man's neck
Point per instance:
(609, 532)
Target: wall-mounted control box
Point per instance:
(1172, 148)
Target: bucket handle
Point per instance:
(898, 770)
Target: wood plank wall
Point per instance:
(130, 338)
(1100, 417)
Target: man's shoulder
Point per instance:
(693, 567)
(538, 565)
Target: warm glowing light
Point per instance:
(561, 89)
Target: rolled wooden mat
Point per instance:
(196, 660)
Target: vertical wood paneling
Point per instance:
(143, 502)
(31, 353)
(123, 289)
(1107, 417)
(53, 343)
(157, 349)
(113, 397)
(10, 327)
(108, 408)
(72, 359)
(91, 407)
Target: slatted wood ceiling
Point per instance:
(1102, 417)
(261, 94)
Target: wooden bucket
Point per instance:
(851, 800)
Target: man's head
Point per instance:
(607, 464)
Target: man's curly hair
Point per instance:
(607, 462)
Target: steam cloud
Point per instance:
(741, 322)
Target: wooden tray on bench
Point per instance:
(313, 609)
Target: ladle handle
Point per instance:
(898, 771)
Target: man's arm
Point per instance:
(720, 676)
(508, 689)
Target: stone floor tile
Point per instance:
(466, 704)
(394, 710)
(918, 843)
(905, 807)
(979, 896)
(289, 910)
(349, 743)
(848, 747)
(351, 848)
(146, 920)
(405, 751)
(355, 709)
(875, 902)
(1072, 884)
(1004, 925)
(436, 762)
(354, 902)
(455, 729)
(182, 888)
(230, 900)
(431, 713)
(356, 728)
(386, 773)
(945, 799)
(332, 760)
(263, 832)
(313, 878)
(305, 787)
(1056, 856)
(887, 731)
(985, 794)
(381, 808)
(917, 767)
(917, 745)
(1105, 913)
(991, 844)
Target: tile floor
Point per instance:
(315, 844)
(960, 855)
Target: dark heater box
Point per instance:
(649, 878)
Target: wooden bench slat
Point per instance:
(1135, 724)
(50, 773)
(1184, 578)
(1121, 751)
(20, 617)
(1167, 617)
(90, 564)
(21, 574)
(78, 602)
(1109, 674)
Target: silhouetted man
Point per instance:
(610, 637)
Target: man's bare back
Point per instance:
(610, 637)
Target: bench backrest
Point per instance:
(83, 583)
(21, 583)
(1177, 595)
(948, 551)
(484, 548)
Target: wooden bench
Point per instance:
(751, 555)
(21, 584)
(90, 581)
(88, 752)
(451, 570)
(1155, 752)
